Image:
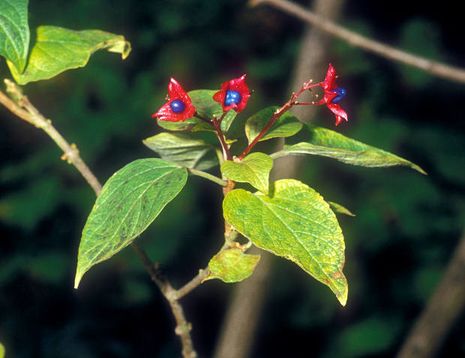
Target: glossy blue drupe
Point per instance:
(341, 93)
(177, 106)
(232, 97)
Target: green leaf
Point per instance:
(129, 202)
(208, 108)
(184, 150)
(232, 265)
(14, 32)
(2, 351)
(253, 169)
(189, 125)
(295, 223)
(57, 50)
(286, 126)
(328, 143)
(338, 208)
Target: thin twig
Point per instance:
(443, 309)
(23, 108)
(435, 68)
(277, 114)
(222, 139)
(183, 327)
(192, 284)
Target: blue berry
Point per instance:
(341, 93)
(177, 106)
(232, 97)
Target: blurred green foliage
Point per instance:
(404, 232)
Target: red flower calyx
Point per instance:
(179, 106)
(333, 95)
(234, 94)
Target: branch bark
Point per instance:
(435, 68)
(243, 314)
(25, 110)
(444, 307)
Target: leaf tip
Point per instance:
(77, 280)
(342, 296)
(419, 169)
(126, 50)
(78, 277)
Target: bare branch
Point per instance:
(446, 304)
(435, 68)
(24, 109)
(183, 327)
(192, 284)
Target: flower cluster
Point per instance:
(234, 95)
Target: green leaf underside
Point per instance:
(328, 143)
(286, 126)
(297, 224)
(253, 169)
(339, 209)
(189, 125)
(57, 49)
(14, 32)
(129, 202)
(183, 150)
(232, 265)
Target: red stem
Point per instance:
(278, 113)
(219, 133)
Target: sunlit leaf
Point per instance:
(14, 32)
(57, 49)
(184, 150)
(232, 265)
(328, 143)
(286, 126)
(294, 223)
(129, 202)
(253, 169)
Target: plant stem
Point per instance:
(25, 110)
(277, 114)
(207, 176)
(183, 327)
(219, 133)
(192, 284)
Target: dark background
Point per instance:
(406, 227)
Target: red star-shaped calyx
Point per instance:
(333, 95)
(179, 106)
(234, 94)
